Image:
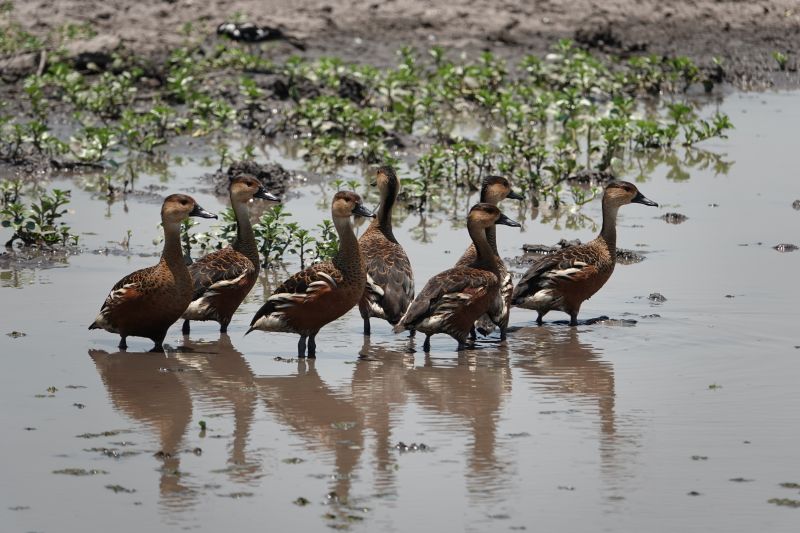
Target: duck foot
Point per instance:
(122, 344)
(426, 346)
(591, 321)
(186, 328)
(158, 348)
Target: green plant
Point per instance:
(38, 223)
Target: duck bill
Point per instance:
(200, 212)
(505, 221)
(515, 196)
(264, 195)
(642, 199)
(361, 211)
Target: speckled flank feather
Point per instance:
(222, 280)
(147, 302)
(390, 280)
(451, 302)
(565, 279)
(310, 299)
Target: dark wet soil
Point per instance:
(742, 35)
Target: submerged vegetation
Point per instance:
(556, 125)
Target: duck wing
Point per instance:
(390, 283)
(308, 284)
(128, 289)
(445, 288)
(223, 267)
(566, 266)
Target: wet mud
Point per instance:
(221, 431)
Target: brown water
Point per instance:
(609, 427)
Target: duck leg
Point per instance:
(366, 326)
(426, 346)
(539, 320)
(223, 325)
(123, 345)
(573, 319)
(472, 334)
(301, 347)
(312, 347)
(186, 328)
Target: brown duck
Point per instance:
(494, 190)
(452, 300)
(223, 279)
(390, 281)
(320, 294)
(147, 302)
(565, 279)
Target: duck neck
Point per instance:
(245, 242)
(485, 259)
(384, 215)
(609, 231)
(491, 231)
(173, 254)
(348, 258)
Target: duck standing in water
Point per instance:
(390, 281)
(320, 294)
(563, 280)
(452, 300)
(494, 190)
(223, 279)
(147, 302)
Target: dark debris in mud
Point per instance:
(402, 447)
(796, 205)
(699, 458)
(674, 218)
(33, 257)
(16, 334)
(790, 485)
(533, 252)
(657, 297)
(80, 471)
(284, 359)
(111, 433)
(272, 176)
(785, 502)
(293, 461)
(693, 493)
(784, 247)
(111, 452)
(741, 480)
(301, 501)
(237, 495)
(120, 489)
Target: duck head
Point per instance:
(386, 181)
(243, 188)
(178, 207)
(619, 193)
(495, 189)
(346, 204)
(484, 215)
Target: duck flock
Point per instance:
(372, 271)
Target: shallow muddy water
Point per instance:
(683, 421)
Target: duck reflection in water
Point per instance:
(223, 378)
(157, 392)
(145, 387)
(325, 418)
(566, 367)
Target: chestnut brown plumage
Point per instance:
(320, 294)
(147, 302)
(452, 300)
(565, 279)
(390, 281)
(494, 190)
(223, 279)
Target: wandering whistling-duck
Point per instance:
(223, 279)
(563, 280)
(147, 302)
(320, 294)
(390, 281)
(452, 300)
(494, 190)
